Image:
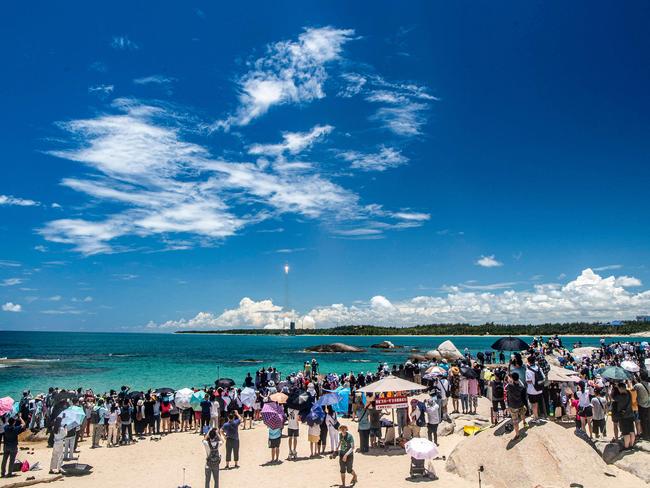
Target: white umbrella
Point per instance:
(420, 448)
(248, 396)
(630, 366)
(183, 398)
(391, 384)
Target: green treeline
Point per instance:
(575, 328)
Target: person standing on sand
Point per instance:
(275, 438)
(346, 454)
(293, 431)
(230, 431)
(13, 428)
(60, 432)
(211, 443)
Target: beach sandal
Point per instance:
(354, 480)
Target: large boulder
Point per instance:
(449, 352)
(585, 351)
(385, 345)
(636, 463)
(433, 354)
(609, 451)
(334, 347)
(547, 455)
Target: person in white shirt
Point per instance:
(585, 408)
(534, 386)
(600, 407)
(293, 431)
(433, 419)
(60, 432)
(113, 426)
(214, 413)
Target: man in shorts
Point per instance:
(346, 454)
(515, 393)
(534, 386)
(293, 431)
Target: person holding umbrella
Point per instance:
(346, 454)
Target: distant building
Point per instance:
(292, 328)
(615, 323)
(643, 318)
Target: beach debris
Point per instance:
(334, 347)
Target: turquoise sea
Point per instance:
(37, 360)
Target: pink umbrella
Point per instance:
(273, 415)
(6, 405)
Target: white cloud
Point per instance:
(589, 297)
(56, 205)
(9, 264)
(608, 267)
(126, 276)
(628, 281)
(11, 281)
(385, 158)
(292, 142)
(403, 120)
(290, 72)
(354, 83)
(40, 248)
(55, 298)
(104, 90)
(154, 79)
(488, 262)
(12, 307)
(15, 201)
(123, 43)
(416, 216)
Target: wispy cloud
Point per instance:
(12, 307)
(385, 158)
(289, 250)
(488, 262)
(102, 90)
(290, 72)
(608, 267)
(292, 142)
(123, 43)
(11, 281)
(16, 201)
(154, 79)
(9, 264)
(125, 276)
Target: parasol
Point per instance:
(436, 371)
(72, 415)
(183, 397)
(630, 366)
(196, 399)
(315, 416)
(420, 448)
(278, 398)
(247, 396)
(165, 391)
(329, 399)
(273, 415)
(468, 372)
(224, 383)
(510, 344)
(615, 373)
(6, 405)
(391, 384)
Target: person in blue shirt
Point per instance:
(206, 406)
(230, 431)
(13, 428)
(275, 437)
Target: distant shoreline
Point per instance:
(257, 333)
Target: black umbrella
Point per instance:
(63, 396)
(468, 372)
(510, 344)
(164, 391)
(224, 383)
(135, 395)
(76, 469)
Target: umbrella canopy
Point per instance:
(391, 384)
(562, 375)
(436, 371)
(63, 396)
(630, 366)
(72, 415)
(196, 399)
(420, 448)
(183, 397)
(279, 398)
(164, 391)
(510, 344)
(468, 372)
(135, 395)
(329, 399)
(224, 383)
(615, 373)
(298, 398)
(248, 396)
(315, 416)
(273, 415)
(6, 405)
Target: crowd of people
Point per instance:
(523, 390)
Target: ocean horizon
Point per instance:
(107, 360)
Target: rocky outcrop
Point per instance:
(446, 428)
(334, 347)
(547, 455)
(449, 351)
(385, 345)
(433, 354)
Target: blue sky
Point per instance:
(431, 163)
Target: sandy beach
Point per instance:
(161, 463)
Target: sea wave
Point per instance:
(27, 360)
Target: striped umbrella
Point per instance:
(273, 415)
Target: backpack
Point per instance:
(421, 421)
(497, 390)
(538, 382)
(125, 415)
(214, 458)
(94, 417)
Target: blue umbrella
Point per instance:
(329, 399)
(315, 416)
